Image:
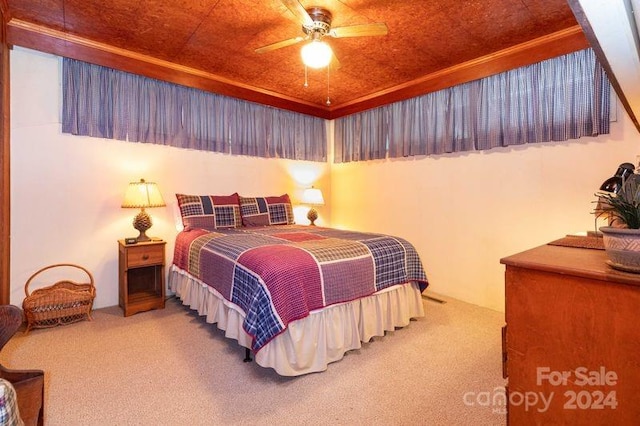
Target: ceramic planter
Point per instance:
(623, 248)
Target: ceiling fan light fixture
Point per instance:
(316, 54)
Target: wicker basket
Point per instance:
(64, 302)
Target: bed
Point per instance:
(299, 297)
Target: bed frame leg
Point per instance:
(247, 355)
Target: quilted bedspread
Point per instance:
(278, 274)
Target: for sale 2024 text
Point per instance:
(583, 399)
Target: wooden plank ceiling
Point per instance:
(209, 44)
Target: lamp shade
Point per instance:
(313, 196)
(614, 183)
(142, 195)
(316, 54)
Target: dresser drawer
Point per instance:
(145, 255)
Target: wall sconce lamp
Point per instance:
(313, 197)
(142, 195)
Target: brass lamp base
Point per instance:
(312, 215)
(142, 222)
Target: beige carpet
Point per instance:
(168, 367)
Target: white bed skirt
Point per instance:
(308, 345)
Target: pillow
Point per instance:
(263, 211)
(210, 211)
(9, 413)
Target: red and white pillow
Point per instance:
(213, 212)
(210, 211)
(264, 211)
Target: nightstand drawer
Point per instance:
(145, 255)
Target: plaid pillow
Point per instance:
(9, 413)
(262, 211)
(210, 211)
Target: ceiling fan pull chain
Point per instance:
(328, 100)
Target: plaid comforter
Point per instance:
(278, 274)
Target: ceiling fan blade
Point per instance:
(278, 45)
(377, 29)
(335, 63)
(299, 11)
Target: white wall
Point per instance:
(66, 190)
(464, 212)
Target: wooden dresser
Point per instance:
(572, 338)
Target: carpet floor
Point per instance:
(169, 367)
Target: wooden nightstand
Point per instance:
(141, 276)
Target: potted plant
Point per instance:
(622, 238)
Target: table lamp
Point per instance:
(612, 184)
(313, 197)
(142, 195)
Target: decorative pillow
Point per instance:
(9, 413)
(262, 211)
(210, 211)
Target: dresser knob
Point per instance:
(145, 256)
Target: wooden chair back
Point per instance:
(29, 384)
(10, 321)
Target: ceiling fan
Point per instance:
(316, 24)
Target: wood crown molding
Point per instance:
(4, 10)
(57, 42)
(5, 174)
(556, 44)
(33, 36)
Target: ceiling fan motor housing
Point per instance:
(321, 21)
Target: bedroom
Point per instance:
(477, 206)
(462, 211)
(425, 198)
